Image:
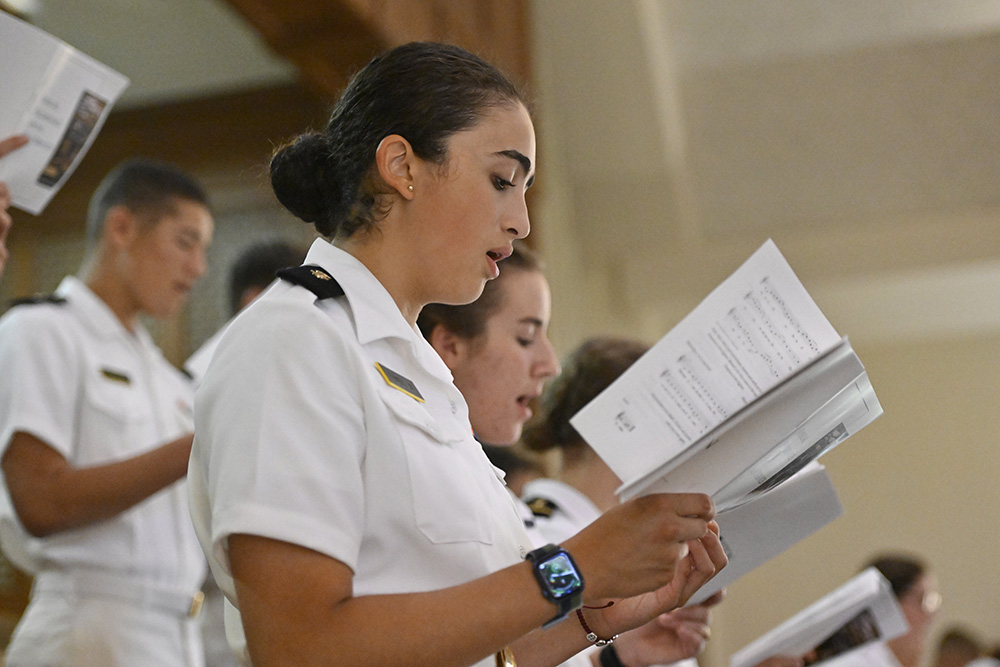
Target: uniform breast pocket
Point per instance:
(112, 416)
(447, 487)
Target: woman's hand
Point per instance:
(704, 559)
(668, 638)
(639, 546)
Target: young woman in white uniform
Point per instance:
(346, 509)
(498, 350)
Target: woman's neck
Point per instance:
(388, 268)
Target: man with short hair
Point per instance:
(95, 433)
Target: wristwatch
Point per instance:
(559, 579)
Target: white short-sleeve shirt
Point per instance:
(301, 437)
(75, 378)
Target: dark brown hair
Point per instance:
(148, 188)
(423, 91)
(586, 372)
(901, 571)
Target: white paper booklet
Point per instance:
(757, 531)
(57, 96)
(861, 611)
(745, 391)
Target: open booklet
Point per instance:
(757, 531)
(57, 96)
(745, 391)
(858, 613)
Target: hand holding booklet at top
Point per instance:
(744, 392)
(57, 96)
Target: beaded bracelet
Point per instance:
(591, 635)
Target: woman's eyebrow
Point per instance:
(523, 160)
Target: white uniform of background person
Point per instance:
(75, 378)
(299, 438)
(571, 512)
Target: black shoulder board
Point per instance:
(36, 299)
(313, 278)
(542, 507)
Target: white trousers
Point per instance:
(75, 630)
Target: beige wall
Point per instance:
(917, 289)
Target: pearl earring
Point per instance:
(410, 188)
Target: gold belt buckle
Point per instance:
(505, 658)
(197, 600)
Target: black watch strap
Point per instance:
(609, 657)
(565, 600)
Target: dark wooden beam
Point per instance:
(329, 39)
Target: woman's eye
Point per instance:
(501, 183)
(524, 342)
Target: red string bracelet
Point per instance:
(591, 635)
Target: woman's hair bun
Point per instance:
(302, 178)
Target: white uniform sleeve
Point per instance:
(40, 378)
(279, 426)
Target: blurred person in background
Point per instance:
(7, 145)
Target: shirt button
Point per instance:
(454, 407)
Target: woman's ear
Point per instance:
(396, 162)
(450, 346)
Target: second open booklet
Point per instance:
(860, 612)
(744, 392)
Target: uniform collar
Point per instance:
(376, 315)
(95, 313)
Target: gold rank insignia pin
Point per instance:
(319, 273)
(115, 376)
(542, 507)
(400, 383)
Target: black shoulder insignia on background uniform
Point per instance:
(36, 299)
(313, 278)
(542, 507)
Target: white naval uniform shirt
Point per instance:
(299, 438)
(572, 513)
(75, 378)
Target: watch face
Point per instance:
(560, 575)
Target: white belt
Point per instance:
(101, 584)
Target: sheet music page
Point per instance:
(753, 331)
(57, 96)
